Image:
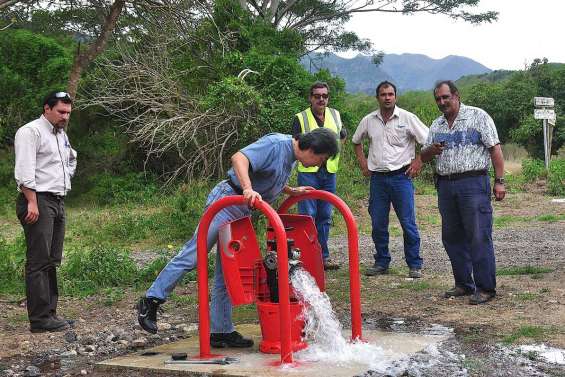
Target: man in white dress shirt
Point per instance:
(392, 163)
(45, 163)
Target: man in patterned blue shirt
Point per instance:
(464, 141)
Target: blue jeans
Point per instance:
(319, 210)
(185, 261)
(398, 190)
(466, 231)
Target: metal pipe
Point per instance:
(353, 243)
(202, 273)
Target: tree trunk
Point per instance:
(83, 59)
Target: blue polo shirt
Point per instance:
(271, 161)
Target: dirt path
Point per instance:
(528, 308)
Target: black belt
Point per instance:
(235, 188)
(51, 195)
(392, 172)
(467, 174)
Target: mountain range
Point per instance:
(406, 71)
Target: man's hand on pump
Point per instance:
(251, 197)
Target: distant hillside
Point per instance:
(406, 71)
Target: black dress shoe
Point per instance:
(51, 325)
(147, 308)
(234, 339)
(71, 322)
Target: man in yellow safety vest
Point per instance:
(323, 177)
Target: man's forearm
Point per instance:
(361, 159)
(497, 161)
(426, 154)
(30, 194)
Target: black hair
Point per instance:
(318, 85)
(452, 88)
(54, 97)
(320, 141)
(383, 84)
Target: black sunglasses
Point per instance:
(318, 96)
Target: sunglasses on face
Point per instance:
(319, 96)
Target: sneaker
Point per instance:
(481, 297)
(51, 325)
(457, 292)
(234, 339)
(415, 273)
(147, 308)
(329, 264)
(376, 270)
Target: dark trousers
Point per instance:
(466, 224)
(44, 241)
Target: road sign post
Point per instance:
(545, 112)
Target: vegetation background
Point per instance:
(168, 90)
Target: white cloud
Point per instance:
(524, 31)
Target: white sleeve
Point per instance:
(25, 145)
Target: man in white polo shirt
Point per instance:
(392, 133)
(45, 163)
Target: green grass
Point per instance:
(506, 220)
(526, 296)
(522, 270)
(525, 331)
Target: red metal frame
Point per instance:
(353, 243)
(202, 273)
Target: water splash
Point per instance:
(324, 331)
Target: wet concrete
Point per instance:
(251, 362)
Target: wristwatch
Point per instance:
(499, 180)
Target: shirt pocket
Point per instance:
(397, 135)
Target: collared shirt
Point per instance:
(391, 144)
(45, 161)
(271, 161)
(467, 143)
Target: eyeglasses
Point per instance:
(318, 96)
(62, 95)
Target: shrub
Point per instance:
(12, 264)
(130, 188)
(85, 271)
(556, 177)
(533, 169)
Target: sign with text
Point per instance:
(544, 114)
(543, 101)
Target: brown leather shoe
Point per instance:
(457, 292)
(329, 264)
(51, 325)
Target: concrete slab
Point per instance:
(254, 363)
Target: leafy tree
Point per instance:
(320, 22)
(30, 66)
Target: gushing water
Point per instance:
(324, 332)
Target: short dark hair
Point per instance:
(318, 85)
(452, 88)
(54, 97)
(320, 141)
(384, 84)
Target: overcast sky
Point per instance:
(525, 30)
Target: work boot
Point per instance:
(481, 297)
(415, 273)
(51, 325)
(233, 339)
(376, 270)
(457, 292)
(147, 308)
(329, 264)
